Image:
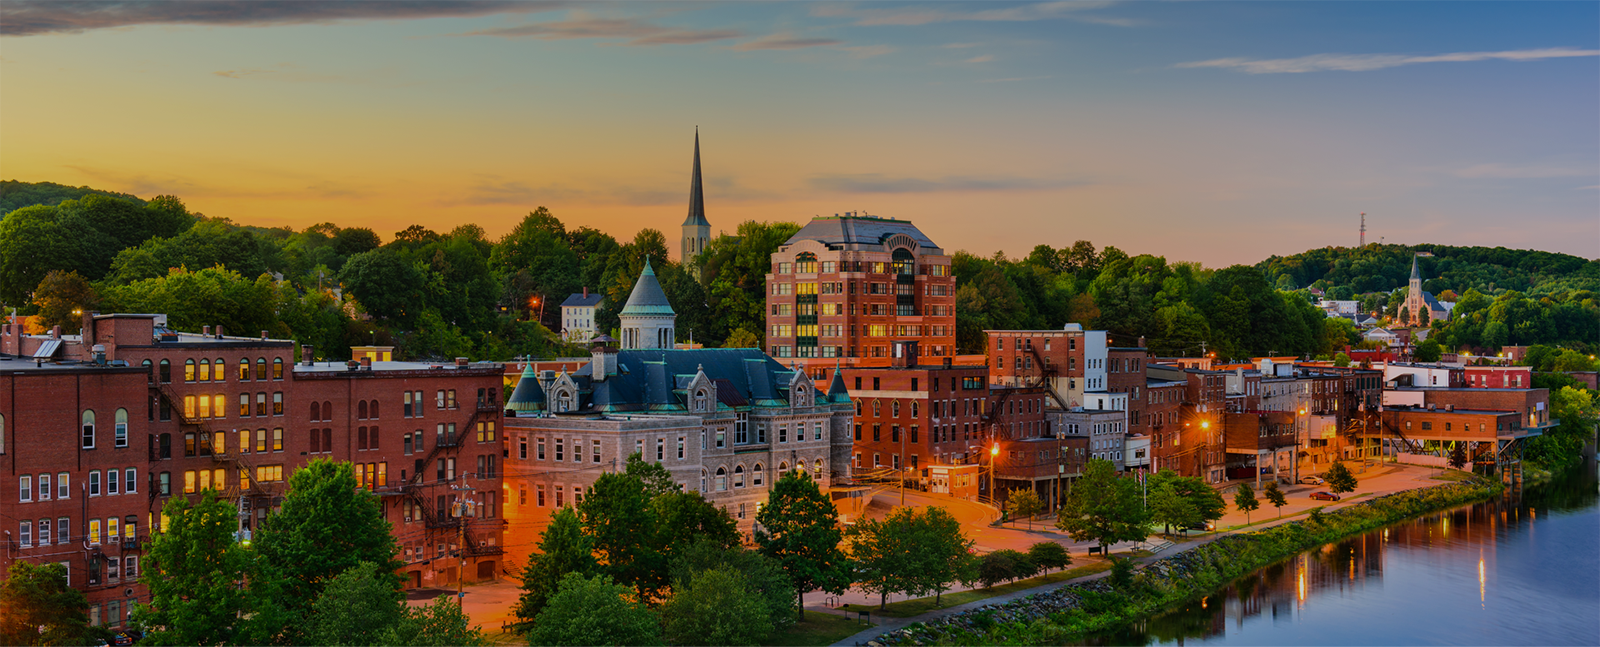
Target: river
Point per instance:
(1512, 571)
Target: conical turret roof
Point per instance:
(837, 393)
(647, 297)
(529, 395)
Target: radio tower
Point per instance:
(1363, 229)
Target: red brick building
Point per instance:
(1499, 377)
(849, 286)
(177, 413)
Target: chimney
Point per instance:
(55, 332)
(263, 335)
(547, 378)
(1141, 341)
(585, 291)
(461, 362)
(219, 331)
(366, 363)
(99, 351)
(603, 362)
(306, 355)
(205, 331)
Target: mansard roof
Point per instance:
(655, 380)
(861, 233)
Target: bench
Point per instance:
(1093, 550)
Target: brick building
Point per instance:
(1499, 377)
(848, 286)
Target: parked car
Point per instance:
(1204, 525)
(1311, 480)
(1324, 496)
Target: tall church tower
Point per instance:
(696, 229)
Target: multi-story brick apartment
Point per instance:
(1499, 377)
(1162, 418)
(235, 415)
(848, 286)
(725, 422)
(1072, 360)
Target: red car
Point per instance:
(1324, 496)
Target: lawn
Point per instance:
(1453, 475)
(919, 606)
(818, 629)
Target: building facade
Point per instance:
(577, 316)
(848, 286)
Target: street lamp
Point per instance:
(462, 509)
(994, 454)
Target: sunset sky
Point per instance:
(1204, 131)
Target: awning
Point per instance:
(48, 349)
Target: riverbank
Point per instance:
(1078, 610)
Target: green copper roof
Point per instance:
(528, 396)
(647, 297)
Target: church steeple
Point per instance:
(696, 229)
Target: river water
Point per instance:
(1513, 571)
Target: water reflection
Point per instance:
(1411, 583)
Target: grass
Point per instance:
(1453, 475)
(818, 629)
(498, 637)
(919, 606)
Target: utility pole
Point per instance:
(1363, 229)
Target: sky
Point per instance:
(1214, 132)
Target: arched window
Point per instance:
(277, 368)
(805, 263)
(372, 412)
(121, 438)
(188, 370)
(904, 262)
(817, 469)
(88, 429)
(316, 411)
(261, 368)
(327, 411)
(738, 476)
(361, 410)
(166, 372)
(146, 364)
(219, 371)
(782, 467)
(703, 480)
(895, 406)
(755, 476)
(701, 397)
(877, 409)
(722, 479)
(800, 466)
(244, 369)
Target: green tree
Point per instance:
(882, 551)
(1245, 499)
(386, 284)
(1341, 359)
(594, 611)
(1428, 350)
(195, 570)
(715, 607)
(799, 528)
(1103, 508)
(327, 525)
(1275, 496)
(942, 553)
(1049, 555)
(38, 608)
(764, 579)
(742, 338)
(1004, 565)
(357, 607)
(1024, 503)
(563, 548)
(618, 517)
(62, 298)
(213, 295)
(1340, 480)
(1169, 509)
(1458, 455)
(441, 623)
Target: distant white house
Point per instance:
(1380, 335)
(577, 316)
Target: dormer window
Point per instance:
(701, 400)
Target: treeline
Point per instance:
(15, 195)
(1180, 309)
(1569, 318)
(1344, 272)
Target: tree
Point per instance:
(38, 608)
(882, 553)
(386, 284)
(1169, 509)
(327, 525)
(1275, 496)
(1458, 455)
(715, 607)
(594, 611)
(195, 569)
(1024, 503)
(1207, 502)
(1429, 350)
(1341, 359)
(742, 338)
(942, 552)
(563, 549)
(1245, 499)
(1104, 508)
(799, 527)
(1004, 565)
(1340, 480)
(62, 297)
(357, 607)
(764, 579)
(1049, 554)
(439, 624)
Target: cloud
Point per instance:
(1504, 172)
(637, 32)
(928, 15)
(1015, 78)
(785, 41)
(878, 183)
(492, 192)
(959, 45)
(31, 17)
(868, 51)
(1367, 62)
(980, 59)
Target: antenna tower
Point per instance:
(1363, 229)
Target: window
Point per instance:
(94, 483)
(166, 371)
(44, 487)
(721, 439)
(25, 531)
(596, 451)
(277, 439)
(64, 492)
(681, 440)
(277, 368)
(188, 370)
(783, 433)
(244, 369)
(261, 369)
(64, 530)
(94, 532)
(261, 404)
(44, 531)
(25, 489)
(113, 481)
(244, 406)
(722, 479)
(277, 403)
(88, 429)
(131, 484)
(738, 476)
